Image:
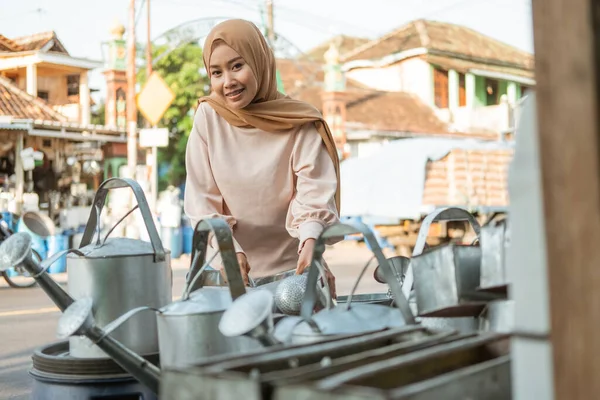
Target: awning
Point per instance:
(65, 130)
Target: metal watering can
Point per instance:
(250, 315)
(444, 277)
(120, 274)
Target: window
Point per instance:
(43, 94)
(462, 90)
(72, 85)
(440, 87)
(491, 91)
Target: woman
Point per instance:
(264, 162)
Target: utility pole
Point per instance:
(270, 28)
(131, 106)
(152, 157)
(149, 45)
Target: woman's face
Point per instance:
(231, 77)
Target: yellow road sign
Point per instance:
(154, 99)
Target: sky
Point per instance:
(83, 25)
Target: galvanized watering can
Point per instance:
(447, 277)
(120, 274)
(444, 278)
(349, 319)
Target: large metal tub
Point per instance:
(471, 368)
(252, 376)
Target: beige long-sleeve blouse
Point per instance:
(275, 189)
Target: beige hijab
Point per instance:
(270, 110)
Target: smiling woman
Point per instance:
(261, 160)
(231, 77)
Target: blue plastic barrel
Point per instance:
(172, 239)
(56, 244)
(188, 234)
(8, 218)
(39, 226)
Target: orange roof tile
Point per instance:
(18, 104)
(38, 41)
(444, 39)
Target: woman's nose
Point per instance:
(230, 80)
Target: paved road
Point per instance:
(28, 318)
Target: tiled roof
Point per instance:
(39, 40)
(345, 44)
(8, 45)
(18, 104)
(367, 109)
(444, 39)
(392, 111)
(464, 66)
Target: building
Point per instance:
(426, 78)
(45, 104)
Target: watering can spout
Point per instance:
(16, 251)
(78, 319)
(251, 315)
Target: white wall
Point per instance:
(412, 75)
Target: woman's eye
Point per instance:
(237, 66)
(215, 73)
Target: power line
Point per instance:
(39, 11)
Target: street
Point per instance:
(28, 318)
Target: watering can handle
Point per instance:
(100, 199)
(224, 237)
(341, 230)
(441, 214)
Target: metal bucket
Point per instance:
(446, 279)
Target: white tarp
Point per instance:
(389, 183)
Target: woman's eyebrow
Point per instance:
(229, 62)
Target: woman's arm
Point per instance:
(313, 206)
(202, 197)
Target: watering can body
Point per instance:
(120, 274)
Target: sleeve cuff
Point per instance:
(309, 230)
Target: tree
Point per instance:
(183, 70)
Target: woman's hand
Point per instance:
(244, 268)
(305, 259)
